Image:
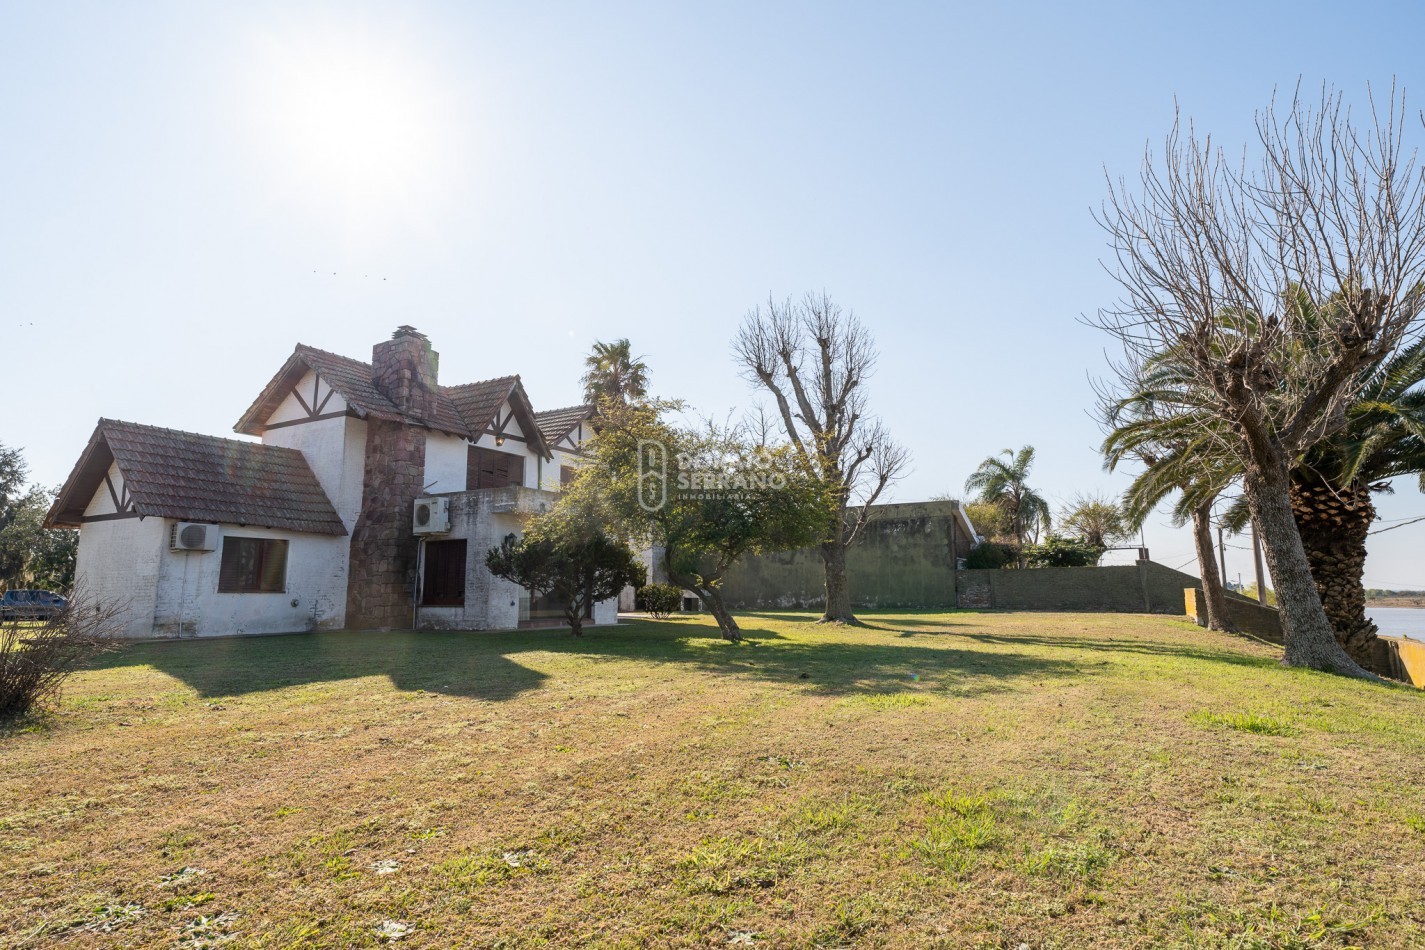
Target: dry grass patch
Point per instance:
(932, 779)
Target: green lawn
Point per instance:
(932, 779)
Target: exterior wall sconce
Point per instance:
(499, 440)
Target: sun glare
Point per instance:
(353, 119)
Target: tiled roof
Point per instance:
(353, 380)
(477, 403)
(555, 423)
(467, 410)
(184, 475)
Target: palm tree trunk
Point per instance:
(1333, 523)
(1213, 593)
(1310, 639)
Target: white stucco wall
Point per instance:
(118, 567)
(188, 602)
(336, 451)
(318, 395)
(447, 457)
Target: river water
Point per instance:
(1399, 621)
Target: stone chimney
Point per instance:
(381, 573)
(405, 369)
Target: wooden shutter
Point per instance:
(487, 468)
(444, 581)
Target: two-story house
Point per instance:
(368, 503)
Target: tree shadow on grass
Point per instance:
(1105, 645)
(883, 619)
(456, 664)
(836, 668)
(485, 665)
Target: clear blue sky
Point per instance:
(191, 189)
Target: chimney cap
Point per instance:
(406, 330)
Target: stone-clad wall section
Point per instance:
(383, 549)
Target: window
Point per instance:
(253, 566)
(566, 475)
(490, 469)
(444, 582)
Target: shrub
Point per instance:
(37, 657)
(990, 555)
(578, 570)
(1058, 551)
(660, 600)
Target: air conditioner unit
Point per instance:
(432, 516)
(188, 536)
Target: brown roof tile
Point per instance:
(353, 380)
(184, 475)
(477, 403)
(554, 424)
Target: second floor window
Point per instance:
(488, 468)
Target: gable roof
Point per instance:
(479, 405)
(554, 424)
(192, 477)
(467, 410)
(353, 379)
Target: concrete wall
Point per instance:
(1246, 615)
(902, 558)
(1145, 587)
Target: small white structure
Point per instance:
(317, 525)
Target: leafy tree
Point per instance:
(1098, 521)
(1250, 591)
(612, 372)
(13, 542)
(702, 498)
(991, 555)
(577, 569)
(30, 554)
(1059, 551)
(814, 359)
(1002, 481)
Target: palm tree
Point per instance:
(1382, 436)
(1001, 480)
(1165, 427)
(612, 372)
(1099, 521)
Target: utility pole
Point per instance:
(1257, 556)
(1221, 556)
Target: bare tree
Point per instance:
(1217, 259)
(814, 358)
